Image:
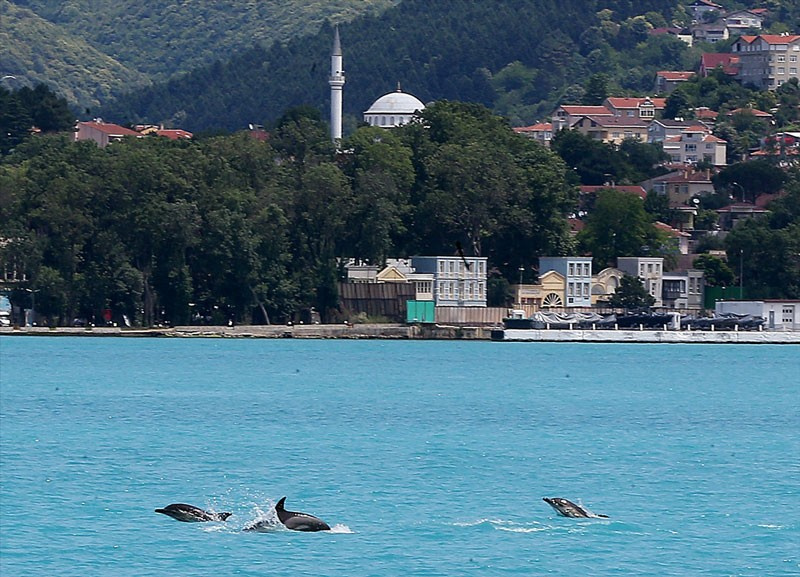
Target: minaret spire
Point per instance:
(336, 82)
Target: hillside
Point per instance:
(458, 50)
(90, 48)
(37, 51)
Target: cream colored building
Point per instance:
(768, 60)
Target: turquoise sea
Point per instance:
(426, 458)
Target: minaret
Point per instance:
(336, 82)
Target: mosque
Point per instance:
(390, 110)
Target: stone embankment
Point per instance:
(419, 332)
(342, 331)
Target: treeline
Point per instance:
(519, 57)
(28, 109)
(231, 227)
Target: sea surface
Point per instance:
(426, 458)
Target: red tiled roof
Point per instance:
(704, 113)
(728, 62)
(755, 112)
(675, 75)
(111, 129)
(541, 127)
(670, 230)
(625, 102)
(777, 38)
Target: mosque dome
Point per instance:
(393, 109)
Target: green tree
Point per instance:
(617, 226)
(716, 270)
(631, 294)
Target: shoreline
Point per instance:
(417, 332)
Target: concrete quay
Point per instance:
(647, 336)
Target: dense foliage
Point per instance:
(26, 109)
(233, 228)
(90, 49)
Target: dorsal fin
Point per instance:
(279, 505)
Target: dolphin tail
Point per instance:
(224, 516)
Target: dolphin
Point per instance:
(569, 509)
(299, 521)
(191, 514)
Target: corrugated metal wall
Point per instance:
(377, 299)
(470, 315)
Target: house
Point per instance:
(682, 186)
(611, 129)
(741, 21)
(643, 108)
(705, 115)
(780, 315)
(396, 270)
(457, 281)
(103, 133)
(678, 238)
(695, 144)
(605, 284)
(577, 274)
(669, 80)
(711, 32)
(565, 115)
(649, 270)
(548, 293)
(710, 61)
(683, 290)
(759, 114)
(541, 133)
(170, 133)
(768, 60)
(704, 9)
(661, 128)
(733, 214)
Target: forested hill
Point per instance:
(88, 49)
(529, 52)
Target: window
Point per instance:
(788, 315)
(571, 269)
(691, 147)
(781, 58)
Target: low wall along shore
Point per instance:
(416, 331)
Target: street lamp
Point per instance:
(33, 305)
(741, 273)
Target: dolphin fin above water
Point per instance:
(299, 521)
(191, 514)
(567, 508)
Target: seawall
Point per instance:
(419, 332)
